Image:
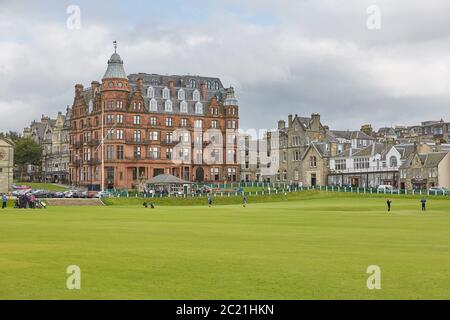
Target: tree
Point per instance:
(12, 135)
(27, 152)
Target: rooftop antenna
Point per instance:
(115, 46)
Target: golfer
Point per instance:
(388, 202)
(424, 204)
(244, 201)
(209, 200)
(4, 201)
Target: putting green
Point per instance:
(303, 249)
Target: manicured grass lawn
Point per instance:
(43, 186)
(294, 249)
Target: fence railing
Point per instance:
(275, 188)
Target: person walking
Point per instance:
(424, 204)
(388, 202)
(244, 201)
(209, 200)
(4, 201)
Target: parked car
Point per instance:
(386, 189)
(439, 191)
(103, 194)
(91, 194)
(69, 194)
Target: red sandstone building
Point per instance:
(152, 124)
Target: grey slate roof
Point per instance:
(166, 179)
(115, 68)
(349, 135)
(429, 160)
(373, 149)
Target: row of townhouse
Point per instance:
(307, 153)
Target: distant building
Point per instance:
(6, 164)
(426, 131)
(422, 171)
(53, 136)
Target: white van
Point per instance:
(386, 189)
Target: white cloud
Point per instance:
(317, 56)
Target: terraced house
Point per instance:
(152, 124)
(421, 171)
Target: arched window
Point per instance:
(153, 105)
(168, 106)
(166, 93)
(216, 85)
(150, 92)
(183, 107)
(192, 83)
(198, 108)
(393, 162)
(181, 95)
(196, 95)
(208, 84)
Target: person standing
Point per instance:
(388, 202)
(209, 200)
(424, 204)
(244, 201)
(4, 201)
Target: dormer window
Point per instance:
(196, 95)
(181, 95)
(150, 92)
(136, 106)
(183, 107)
(153, 105)
(168, 106)
(166, 93)
(198, 108)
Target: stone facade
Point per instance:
(314, 165)
(6, 164)
(185, 126)
(294, 140)
(422, 171)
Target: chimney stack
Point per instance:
(95, 86)
(290, 120)
(78, 90)
(140, 84)
(281, 124)
(438, 145)
(203, 90)
(333, 148)
(171, 88)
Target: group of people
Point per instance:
(29, 200)
(244, 200)
(25, 200)
(423, 202)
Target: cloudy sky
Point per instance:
(296, 56)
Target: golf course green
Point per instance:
(316, 247)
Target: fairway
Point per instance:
(305, 249)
